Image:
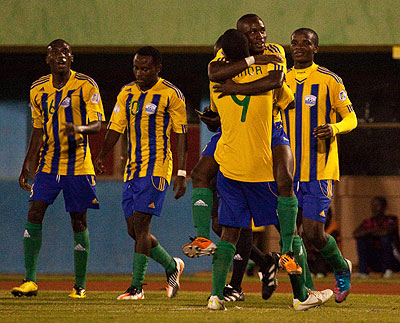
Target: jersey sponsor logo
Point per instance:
(200, 203)
(95, 201)
(95, 98)
(116, 108)
(310, 100)
(79, 247)
(322, 213)
(66, 102)
(151, 205)
(42, 89)
(150, 108)
(26, 234)
(343, 95)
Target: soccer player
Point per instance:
(148, 109)
(66, 108)
(312, 128)
(245, 158)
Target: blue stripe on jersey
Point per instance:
(177, 91)
(82, 108)
(166, 124)
(57, 148)
(286, 111)
(276, 48)
(350, 107)
(128, 133)
(313, 140)
(71, 139)
(84, 77)
(327, 72)
(46, 135)
(328, 106)
(138, 132)
(46, 77)
(153, 136)
(37, 83)
(271, 49)
(298, 125)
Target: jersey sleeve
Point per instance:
(283, 96)
(118, 121)
(177, 111)
(342, 104)
(37, 115)
(94, 105)
(276, 49)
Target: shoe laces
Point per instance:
(132, 290)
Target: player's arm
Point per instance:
(35, 143)
(182, 151)
(210, 118)
(273, 80)
(110, 140)
(220, 70)
(69, 129)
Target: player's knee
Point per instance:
(79, 225)
(284, 183)
(199, 178)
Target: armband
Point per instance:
(181, 172)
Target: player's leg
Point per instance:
(317, 196)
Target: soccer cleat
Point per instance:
(342, 286)
(314, 299)
(199, 247)
(132, 293)
(268, 277)
(173, 278)
(232, 295)
(27, 288)
(215, 304)
(290, 264)
(78, 292)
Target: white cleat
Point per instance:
(314, 299)
(173, 278)
(215, 304)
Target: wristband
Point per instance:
(250, 60)
(181, 172)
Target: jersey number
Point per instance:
(243, 103)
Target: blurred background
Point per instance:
(359, 41)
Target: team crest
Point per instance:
(66, 102)
(342, 95)
(150, 108)
(95, 98)
(310, 100)
(116, 108)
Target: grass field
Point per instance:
(102, 306)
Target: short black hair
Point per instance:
(59, 40)
(308, 31)
(245, 17)
(235, 44)
(150, 51)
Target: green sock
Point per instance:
(298, 281)
(140, 262)
(202, 202)
(81, 256)
(32, 245)
(159, 254)
(287, 214)
(306, 269)
(222, 261)
(333, 255)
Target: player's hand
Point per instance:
(228, 87)
(23, 179)
(268, 59)
(323, 132)
(179, 186)
(69, 129)
(210, 118)
(98, 165)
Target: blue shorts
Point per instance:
(144, 194)
(239, 202)
(209, 149)
(79, 190)
(314, 198)
(279, 136)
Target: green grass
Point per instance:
(55, 306)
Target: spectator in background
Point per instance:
(378, 242)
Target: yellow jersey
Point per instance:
(79, 102)
(319, 96)
(148, 117)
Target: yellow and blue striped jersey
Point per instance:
(79, 102)
(148, 117)
(244, 150)
(319, 96)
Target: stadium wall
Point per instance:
(188, 23)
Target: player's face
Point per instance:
(59, 57)
(254, 29)
(146, 72)
(303, 48)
